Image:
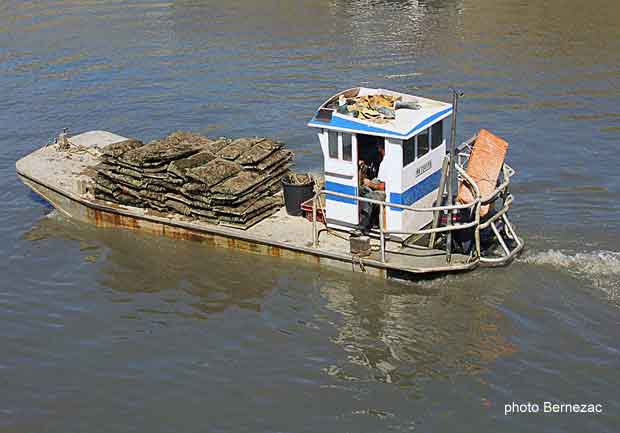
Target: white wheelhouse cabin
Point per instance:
(415, 148)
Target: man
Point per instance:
(373, 189)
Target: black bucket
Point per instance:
(296, 193)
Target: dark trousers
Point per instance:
(369, 211)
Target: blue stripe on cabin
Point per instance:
(339, 122)
(416, 192)
(342, 189)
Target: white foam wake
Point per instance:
(600, 267)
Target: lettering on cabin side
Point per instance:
(423, 168)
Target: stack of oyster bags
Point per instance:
(229, 182)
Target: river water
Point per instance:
(113, 331)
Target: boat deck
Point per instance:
(64, 178)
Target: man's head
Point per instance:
(381, 148)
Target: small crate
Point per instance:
(306, 207)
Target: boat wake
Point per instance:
(601, 267)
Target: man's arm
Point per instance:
(376, 186)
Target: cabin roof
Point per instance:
(406, 123)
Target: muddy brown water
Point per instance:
(112, 331)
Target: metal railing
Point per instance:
(476, 204)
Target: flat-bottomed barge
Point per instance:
(63, 176)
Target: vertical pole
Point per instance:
(451, 175)
(315, 238)
(439, 202)
(382, 235)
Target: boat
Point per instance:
(420, 225)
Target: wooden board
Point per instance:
(485, 164)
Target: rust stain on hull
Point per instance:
(106, 219)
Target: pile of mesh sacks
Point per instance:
(222, 181)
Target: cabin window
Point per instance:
(437, 134)
(423, 143)
(347, 147)
(408, 151)
(332, 138)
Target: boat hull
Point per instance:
(64, 177)
(109, 216)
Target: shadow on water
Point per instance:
(40, 200)
(402, 333)
(390, 331)
(133, 263)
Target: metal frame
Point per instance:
(502, 191)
